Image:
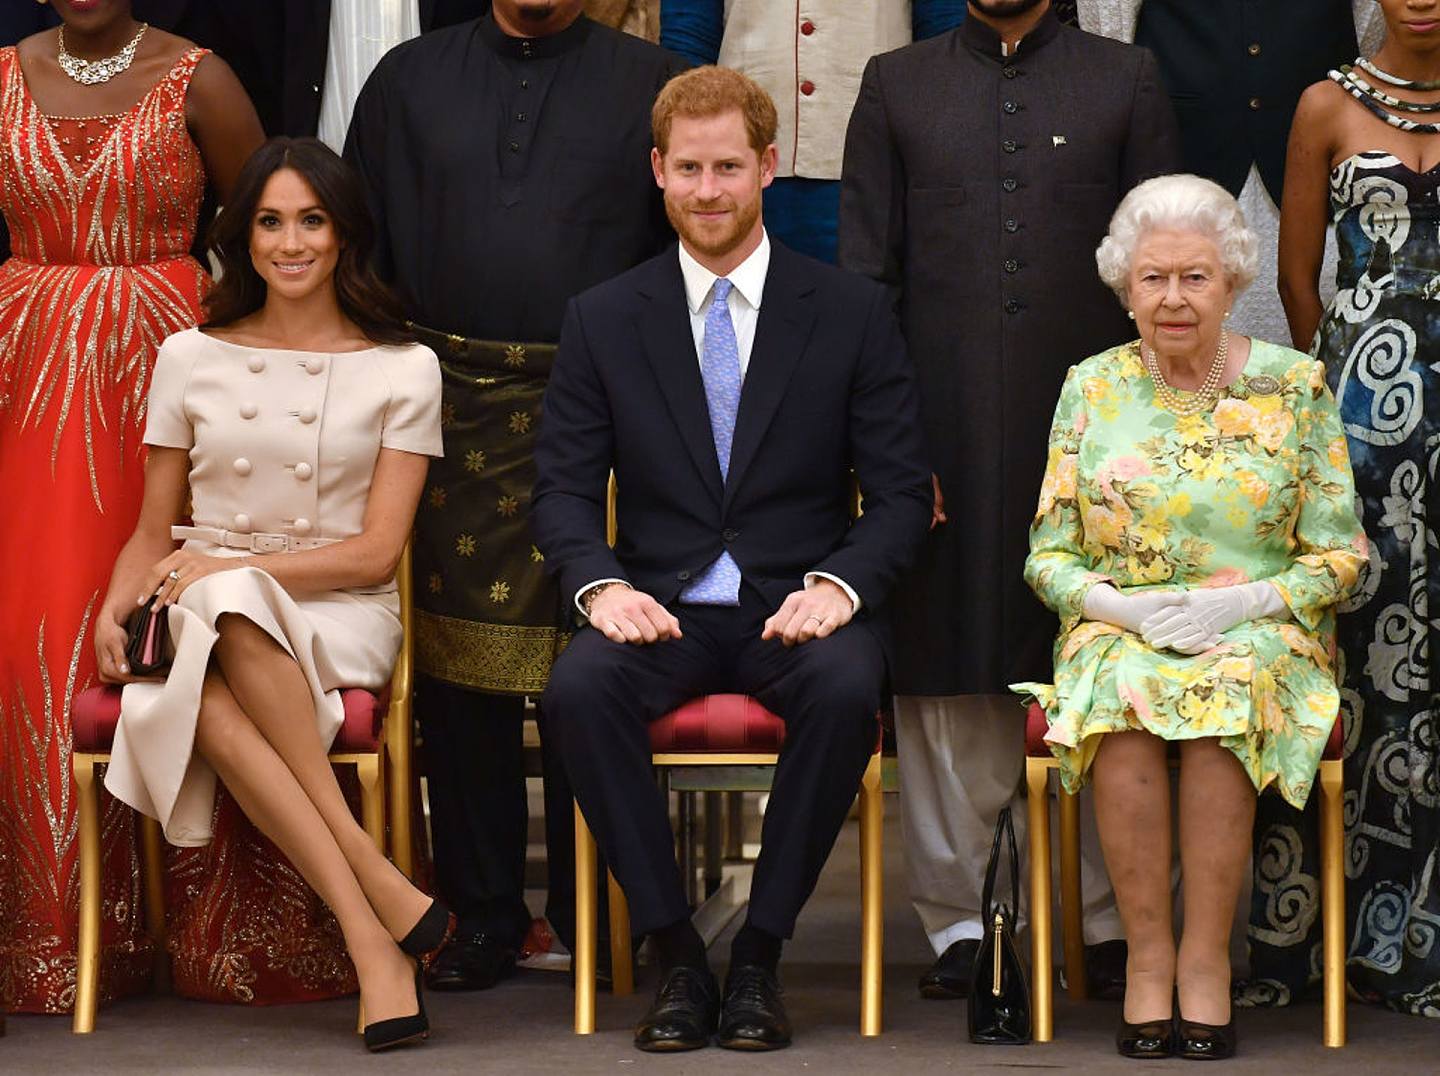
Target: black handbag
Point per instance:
(999, 988)
(147, 639)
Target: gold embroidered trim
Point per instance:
(503, 658)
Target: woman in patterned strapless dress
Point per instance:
(103, 159)
(1366, 141)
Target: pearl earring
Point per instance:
(1130, 314)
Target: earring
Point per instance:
(1130, 314)
(1227, 313)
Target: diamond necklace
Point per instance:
(92, 72)
(1203, 398)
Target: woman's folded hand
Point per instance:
(1201, 617)
(1129, 611)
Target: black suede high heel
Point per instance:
(1206, 1042)
(399, 1030)
(429, 932)
(1148, 1039)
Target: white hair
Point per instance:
(1182, 202)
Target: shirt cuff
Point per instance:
(810, 578)
(589, 586)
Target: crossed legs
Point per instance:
(257, 731)
(1132, 809)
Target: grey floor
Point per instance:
(524, 1025)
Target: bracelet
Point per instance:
(587, 600)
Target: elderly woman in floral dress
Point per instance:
(1195, 530)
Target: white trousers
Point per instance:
(962, 758)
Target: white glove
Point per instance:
(1205, 614)
(1129, 611)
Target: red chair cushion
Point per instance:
(1036, 726)
(718, 723)
(96, 711)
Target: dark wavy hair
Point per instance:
(364, 298)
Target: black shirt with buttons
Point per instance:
(1235, 70)
(507, 174)
(977, 184)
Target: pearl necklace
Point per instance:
(92, 72)
(1203, 398)
(1385, 76)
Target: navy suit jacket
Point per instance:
(828, 390)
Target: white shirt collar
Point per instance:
(748, 277)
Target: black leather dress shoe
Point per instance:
(1206, 1042)
(1150, 1039)
(1105, 969)
(753, 1017)
(683, 1014)
(471, 962)
(949, 977)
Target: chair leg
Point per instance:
(372, 799)
(1332, 897)
(1072, 906)
(87, 967)
(152, 852)
(1037, 786)
(622, 964)
(583, 960)
(872, 899)
(399, 748)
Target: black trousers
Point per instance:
(602, 696)
(479, 816)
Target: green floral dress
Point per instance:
(1259, 488)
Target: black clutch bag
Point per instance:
(999, 989)
(147, 639)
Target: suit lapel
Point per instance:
(670, 349)
(781, 333)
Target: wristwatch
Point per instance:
(587, 600)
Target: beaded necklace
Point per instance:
(1371, 99)
(1402, 83)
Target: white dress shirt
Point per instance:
(748, 280)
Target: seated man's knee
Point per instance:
(591, 668)
(845, 677)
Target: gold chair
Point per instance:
(872, 896)
(375, 738)
(724, 731)
(1038, 764)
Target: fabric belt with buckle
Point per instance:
(254, 542)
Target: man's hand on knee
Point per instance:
(623, 615)
(821, 610)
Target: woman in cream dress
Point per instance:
(300, 422)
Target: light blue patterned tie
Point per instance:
(719, 584)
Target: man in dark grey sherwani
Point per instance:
(981, 170)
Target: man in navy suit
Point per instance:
(733, 386)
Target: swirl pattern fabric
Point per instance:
(1380, 341)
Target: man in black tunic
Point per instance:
(507, 166)
(981, 170)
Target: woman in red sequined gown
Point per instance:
(100, 185)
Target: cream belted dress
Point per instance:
(282, 449)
